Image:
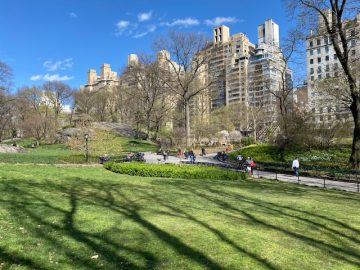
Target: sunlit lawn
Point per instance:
(89, 218)
(105, 143)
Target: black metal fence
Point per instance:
(324, 182)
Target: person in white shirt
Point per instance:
(295, 166)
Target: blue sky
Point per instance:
(61, 39)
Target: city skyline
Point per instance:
(61, 40)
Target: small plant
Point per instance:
(247, 140)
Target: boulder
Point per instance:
(5, 148)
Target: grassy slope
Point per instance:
(336, 156)
(104, 142)
(60, 217)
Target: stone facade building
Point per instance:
(322, 64)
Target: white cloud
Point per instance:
(145, 16)
(56, 77)
(150, 29)
(220, 20)
(58, 65)
(183, 22)
(73, 15)
(36, 78)
(121, 26)
(51, 77)
(139, 35)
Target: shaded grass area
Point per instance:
(104, 142)
(89, 218)
(334, 157)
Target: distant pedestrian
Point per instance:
(203, 153)
(295, 166)
(240, 160)
(248, 167)
(252, 166)
(165, 155)
(192, 156)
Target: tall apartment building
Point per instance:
(107, 78)
(227, 65)
(322, 63)
(265, 69)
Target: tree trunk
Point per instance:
(187, 122)
(355, 151)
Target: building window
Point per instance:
(353, 52)
(327, 58)
(327, 67)
(326, 40)
(353, 43)
(318, 50)
(318, 42)
(319, 59)
(311, 44)
(312, 78)
(311, 71)
(336, 66)
(319, 77)
(352, 33)
(311, 61)
(319, 69)
(335, 57)
(327, 75)
(311, 52)
(327, 49)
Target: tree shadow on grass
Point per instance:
(20, 198)
(343, 231)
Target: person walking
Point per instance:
(252, 165)
(295, 166)
(192, 156)
(248, 168)
(165, 155)
(240, 161)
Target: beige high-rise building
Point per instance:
(107, 78)
(265, 73)
(227, 66)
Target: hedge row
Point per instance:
(173, 171)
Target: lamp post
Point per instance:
(86, 147)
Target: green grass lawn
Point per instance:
(66, 217)
(104, 142)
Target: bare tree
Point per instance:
(34, 113)
(188, 68)
(149, 91)
(6, 101)
(57, 94)
(338, 25)
(84, 101)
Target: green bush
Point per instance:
(247, 140)
(173, 171)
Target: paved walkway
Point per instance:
(308, 181)
(154, 158)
